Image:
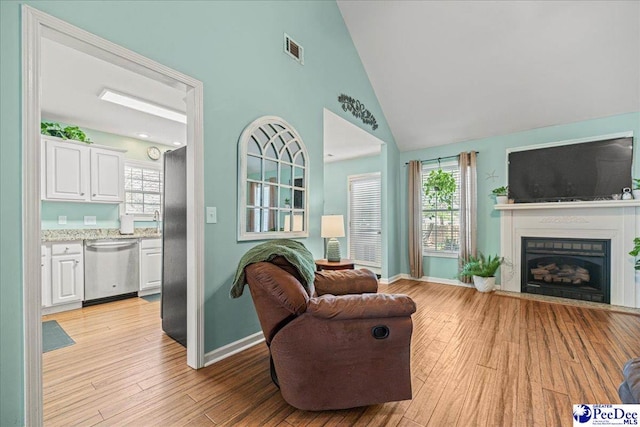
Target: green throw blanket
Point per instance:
(292, 250)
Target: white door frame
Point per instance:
(34, 22)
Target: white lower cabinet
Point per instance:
(67, 273)
(45, 265)
(150, 264)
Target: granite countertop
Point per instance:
(96, 233)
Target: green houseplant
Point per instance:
(636, 251)
(483, 270)
(440, 187)
(501, 194)
(68, 132)
(636, 188)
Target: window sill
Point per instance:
(440, 254)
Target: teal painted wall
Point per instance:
(336, 187)
(392, 200)
(235, 49)
(107, 214)
(492, 159)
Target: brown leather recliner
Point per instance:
(345, 347)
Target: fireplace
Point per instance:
(567, 267)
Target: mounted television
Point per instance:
(593, 170)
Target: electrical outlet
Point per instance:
(89, 220)
(62, 219)
(212, 215)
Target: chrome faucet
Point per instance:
(156, 218)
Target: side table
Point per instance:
(343, 264)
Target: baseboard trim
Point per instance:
(389, 280)
(441, 281)
(232, 348)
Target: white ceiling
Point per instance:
(343, 140)
(72, 81)
(450, 71)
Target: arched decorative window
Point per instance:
(273, 177)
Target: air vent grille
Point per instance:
(293, 49)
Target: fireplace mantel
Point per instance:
(617, 220)
(569, 205)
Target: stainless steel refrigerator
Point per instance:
(174, 246)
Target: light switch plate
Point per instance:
(62, 219)
(89, 220)
(212, 215)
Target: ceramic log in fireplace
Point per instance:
(568, 268)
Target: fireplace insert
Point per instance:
(569, 268)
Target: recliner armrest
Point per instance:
(343, 282)
(365, 306)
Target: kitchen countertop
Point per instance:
(96, 233)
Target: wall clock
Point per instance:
(153, 153)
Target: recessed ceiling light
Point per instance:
(177, 143)
(143, 135)
(142, 105)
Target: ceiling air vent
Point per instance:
(293, 49)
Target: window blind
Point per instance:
(365, 220)
(143, 189)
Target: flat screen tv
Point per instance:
(592, 170)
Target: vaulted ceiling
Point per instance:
(450, 71)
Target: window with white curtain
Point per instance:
(143, 186)
(440, 224)
(365, 220)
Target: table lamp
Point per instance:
(332, 227)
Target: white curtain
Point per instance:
(468, 208)
(414, 200)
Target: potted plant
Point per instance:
(68, 132)
(636, 188)
(440, 187)
(483, 270)
(501, 194)
(636, 251)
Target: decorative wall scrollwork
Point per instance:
(358, 110)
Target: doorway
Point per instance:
(37, 26)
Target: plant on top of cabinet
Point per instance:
(68, 132)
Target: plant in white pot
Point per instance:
(501, 194)
(636, 188)
(483, 270)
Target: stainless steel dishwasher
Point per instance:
(111, 269)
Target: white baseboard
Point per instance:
(60, 308)
(439, 280)
(388, 281)
(232, 348)
(145, 292)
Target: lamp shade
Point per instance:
(332, 226)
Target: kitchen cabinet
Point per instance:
(67, 273)
(150, 264)
(74, 171)
(45, 266)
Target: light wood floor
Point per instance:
(478, 359)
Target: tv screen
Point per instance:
(585, 171)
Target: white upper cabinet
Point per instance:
(107, 175)
(67, 171)
(77, 172)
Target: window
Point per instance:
(143, 188)
(365, 219)
(272, 181)
(440, 222)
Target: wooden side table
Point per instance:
(343, 264)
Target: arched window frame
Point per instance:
(290, 154)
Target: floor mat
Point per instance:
(54, 337)
(152, 297)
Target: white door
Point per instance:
(365, 220)
(45, 267)
(150, 269)
(67, 170)
(107, 175)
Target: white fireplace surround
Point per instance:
(618, 221)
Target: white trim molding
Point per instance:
(232, 348)
(389, 280)
(35, 25)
